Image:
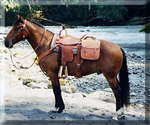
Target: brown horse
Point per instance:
(111, 62)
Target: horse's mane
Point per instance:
(19, 21)
(38, 24)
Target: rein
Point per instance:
(21, 67)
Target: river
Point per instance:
(126, 36)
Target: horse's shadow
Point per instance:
(38, 114)
(76, 116)
(27, 112)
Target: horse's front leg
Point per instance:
(59, 104)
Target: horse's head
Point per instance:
(18, 32)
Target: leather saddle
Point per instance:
(85, 48)
(68, 40)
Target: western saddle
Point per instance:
(85, 48)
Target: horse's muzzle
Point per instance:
(8, 43)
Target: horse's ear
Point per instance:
(20, 18)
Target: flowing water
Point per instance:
(126, 36)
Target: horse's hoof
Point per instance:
(115, 118)
(60, 110)
(121, 117)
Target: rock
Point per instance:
(34, 86)
(82, 31)
(135, 72)
(5, 51)
(27, 81)
(63, 82)
(139, 57)
(49, 86)
(31, 83)
(108, 89)
(19, 78)
(83, 95)
(23, 67)
(13, 70)
(68, 88)
(36, 62)
(6, 58)
(18, 53)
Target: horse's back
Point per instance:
(111, 57)
(110, 47)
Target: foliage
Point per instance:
(10, 4)
(146, 28)
(73, 14)
(113, 13)
(24, 11)
(35, 13)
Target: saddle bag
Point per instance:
(90, 48)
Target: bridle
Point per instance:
(22, 29)
(25, 36)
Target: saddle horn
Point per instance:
(63, 29)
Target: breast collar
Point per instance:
(53, 42)
(52, 48)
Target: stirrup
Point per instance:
(60, 73)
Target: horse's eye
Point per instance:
(17, 28)
(21, 27)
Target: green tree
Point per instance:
(112, 12)
(74, 14)
(23, 10)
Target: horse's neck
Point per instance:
(39, 39)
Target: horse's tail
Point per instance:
(124, 81)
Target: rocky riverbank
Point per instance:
(28, 93)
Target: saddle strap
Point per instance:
(78, 62)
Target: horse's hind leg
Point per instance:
(113, 82)
(59, 104)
